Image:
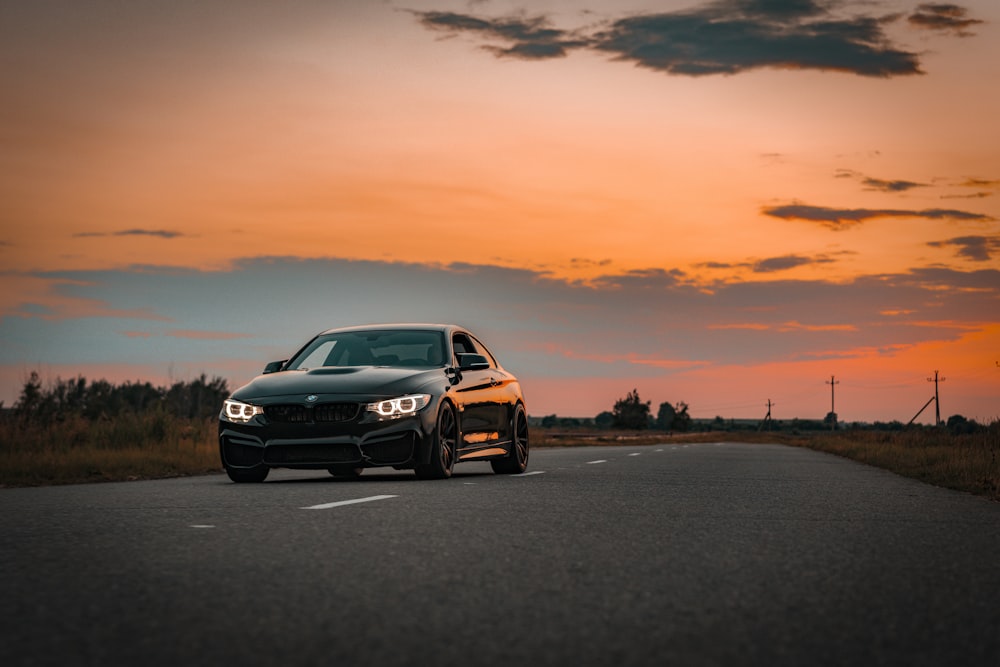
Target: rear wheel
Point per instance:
(248, 475)
(516, 460)
(444, 446)
(345, 471)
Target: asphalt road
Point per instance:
(663, 555)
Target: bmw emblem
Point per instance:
(312, 398)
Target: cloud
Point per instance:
(891, 186)
(722, 37)
(987, 188)
(976, 248)
(774, 264)
(161, 233)
(879, 184)
(974, 195)
(787, 262)
(732, 36)
(527, 38)
(943, 18)
(981, 183)
(837, 219)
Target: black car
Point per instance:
(410, 396)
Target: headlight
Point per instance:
(393, 408)
(235, 411)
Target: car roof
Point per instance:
(399, 326)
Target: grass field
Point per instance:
(152, 445)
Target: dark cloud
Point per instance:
(722, 37)
(879, 184)
(160, 233)
(770, 264)
(787, 262)
(974, 195)
(980, 183)
(526, 38)
(733, 36)
(842, 218)
(976, 248)
(986, 187)
(943, 18)
(891, 186)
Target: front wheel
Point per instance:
(443, 447)
(516, 460)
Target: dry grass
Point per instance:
(75, 449)
(967, 462)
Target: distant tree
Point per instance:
(30, 400)
(549, 421)
(959, 425)
(604, 420)
(830, 421)
(665, 417)
(631, 412)
(682, 420)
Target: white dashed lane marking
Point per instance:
(635, 454)
(590, 463)
(528, 474)
(341, 503)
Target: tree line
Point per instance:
(631, 412)
(200, 398)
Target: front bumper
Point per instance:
(399, 443)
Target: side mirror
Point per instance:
(274, 366)
(472, 362)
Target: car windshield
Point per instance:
(372, 348)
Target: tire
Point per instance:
(516, 460)
(443, 447)
(252, 475)
(345, 471)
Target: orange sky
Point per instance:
(187, 140)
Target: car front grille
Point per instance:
(314, 454)
(336, 412)
(288, 414)
(324, 412)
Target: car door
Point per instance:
(477, 398)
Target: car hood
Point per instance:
(346, 380)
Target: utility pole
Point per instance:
(767, 418)
(833, 413)
(937, 401)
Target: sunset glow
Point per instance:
(199, 187)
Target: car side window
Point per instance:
(464, 344)
(483, 351)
